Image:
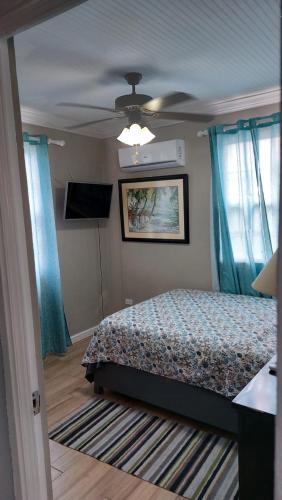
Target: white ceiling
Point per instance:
(212, 49)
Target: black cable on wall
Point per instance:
(101, 272)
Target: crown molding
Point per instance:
(229, 105)
(32, 116)
(246, 101)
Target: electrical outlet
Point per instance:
(128, 302)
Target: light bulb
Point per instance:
(135, 135)
(125, 137)
(146, 136)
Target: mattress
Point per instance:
(211, 340)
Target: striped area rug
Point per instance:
(189, 462)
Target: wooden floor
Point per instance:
(76, 476)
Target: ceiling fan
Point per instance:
(138, 107)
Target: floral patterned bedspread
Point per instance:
(212, 340)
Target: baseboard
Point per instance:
(82, 335)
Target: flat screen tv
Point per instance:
(87, 201)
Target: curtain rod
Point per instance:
(57, 142)
(272, 118)
(202, 133)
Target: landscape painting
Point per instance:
(155, 209)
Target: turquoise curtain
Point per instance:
(245, 196)
(54, 331)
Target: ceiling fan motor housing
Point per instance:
(125, 101)
(131, 100)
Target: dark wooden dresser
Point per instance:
(256, 408)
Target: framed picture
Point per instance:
(155, 209)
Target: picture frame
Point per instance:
(155, 209)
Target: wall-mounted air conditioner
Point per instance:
(166, 154)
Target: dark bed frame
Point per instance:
(196, 403)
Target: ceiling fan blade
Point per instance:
(167, 100)
(85, 106)
(93, 122)
(190, 117)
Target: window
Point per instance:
(249, 192)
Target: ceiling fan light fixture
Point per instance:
(147, 136)
(136, 135)
(125, 137)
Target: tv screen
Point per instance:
(87, 201)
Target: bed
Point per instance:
(188, 351)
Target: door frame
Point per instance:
(20, 338)
(278, 420)
(20, 335)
